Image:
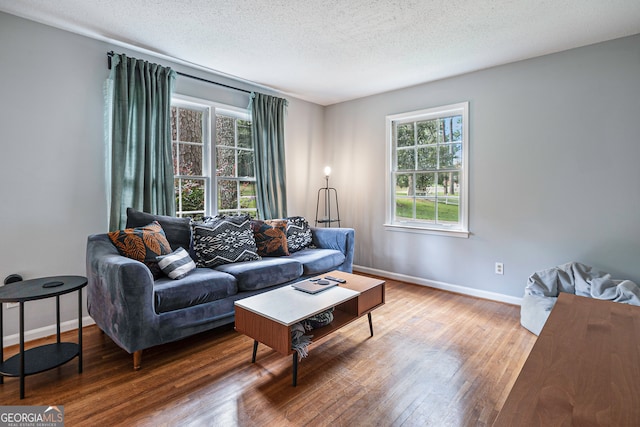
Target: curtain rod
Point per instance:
(111, 53)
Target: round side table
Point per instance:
(48, 356)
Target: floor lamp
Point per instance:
(327, 194)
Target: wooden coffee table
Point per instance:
(268, 317)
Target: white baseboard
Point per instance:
(494, 296)
(46, 331)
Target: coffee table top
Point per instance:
(287, 305)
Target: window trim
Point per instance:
(460, 230)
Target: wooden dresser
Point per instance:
(584, 369)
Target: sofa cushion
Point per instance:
(202, 285)
(223, 240)
(271, 237)
(143, 244)
(298, 234)
(316, 261)
(177, 230)
(177, 264)
(261, 274)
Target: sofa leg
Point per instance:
(137, 359)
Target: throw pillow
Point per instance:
(177, 264)
(298, 233)
(143, 244)
(177, 230)
(271, 237)
(224, 240)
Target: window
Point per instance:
(195, 124)
(235, 172)
(427, 181)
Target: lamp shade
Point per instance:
(327, 171)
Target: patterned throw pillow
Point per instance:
(298, 233)
(177, 264)
(271, 237)
(143, 244)
(224, 240)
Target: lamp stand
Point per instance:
(327, 193)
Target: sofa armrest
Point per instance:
(120, 295)
(342, 239)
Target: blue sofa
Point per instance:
(138, 312)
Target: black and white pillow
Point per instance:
(224, 240)
(177, 264)
(298, 233)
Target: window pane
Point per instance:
(191, 192)
(448, 211)
(406, 159)
(247, 195)
(190, 159)
(427, 132)
(425, 184)
(225, 162)
(244, 134)
(225, 131)
(190, 125)
(427, 158)
(426, 209)
(227, 194)
(450, 155)
(404, 134)
(452, 128)
(404, 185)
(245, 163)
(404, 208)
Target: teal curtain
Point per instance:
(139, 141)
(267, 118)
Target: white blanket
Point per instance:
(582, 280)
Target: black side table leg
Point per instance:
(255, 351)
(22, 361)
(370, 323)
(295, 368)
(79, 330)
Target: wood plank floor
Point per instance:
(436, 358)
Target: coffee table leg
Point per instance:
(295, 368)
(255, 351)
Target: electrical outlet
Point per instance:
(499, 268)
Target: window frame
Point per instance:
(461, 228)
(211, 109)
(238, 114)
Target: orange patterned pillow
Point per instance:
(271, 237)
(143, 244)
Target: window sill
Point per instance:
(423, 230)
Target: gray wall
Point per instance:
(52, 158)
(554, 152)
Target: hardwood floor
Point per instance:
(436, 358)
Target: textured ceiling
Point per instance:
(328, 51)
